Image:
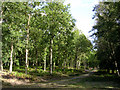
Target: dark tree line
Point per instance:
(107, 32)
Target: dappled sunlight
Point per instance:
(89, 80)
(110, 87)
(43, 45)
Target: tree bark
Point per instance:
(33, 63)
(11, 57)
(117, 68)
(51, 44)
(54, 66)
(84, 62)
(64, 64)
(40, 59)
(71, 64)
(26, 62)
(36, 62)
(45, 59)
(78, 65)
(75, 65)
(1, 64)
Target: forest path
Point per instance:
(87, 80)
(64, 83)
(17, 83)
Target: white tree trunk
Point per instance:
(79, 62)
(45, 59)
(51, 43)
(11, 58)
(26, 62)
(1, 64)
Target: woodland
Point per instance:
(41, 44)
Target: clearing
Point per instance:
(88, 80)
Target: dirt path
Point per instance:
(13, 82)
(65, 81)
(82, 81)
(61, 83)
(51, 84)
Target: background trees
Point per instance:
(108, 35)
(42, 36)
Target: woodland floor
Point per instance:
(88, 80)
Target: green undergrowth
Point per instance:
(69, 72)
(99, 80)
(41, 72)
(33, 74)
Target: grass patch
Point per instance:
(103, 81)
(17, 75)
(41, 72)
(69, 72)
(38, 74)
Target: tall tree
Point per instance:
(1, 19)
(57, 20)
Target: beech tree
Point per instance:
(57, 21)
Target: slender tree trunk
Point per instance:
(75, 59)
(40, 60)
(36, 64)
(54, 66)
(67, 63)
(84, 62)
(45, 59)
(51, 44)
(117, 68)
(45, 63)
(64, 63)
(71, 64)
(26, 62)
(14, 64)
(63, 66)
(33, 63)
(1, 64)
(78, 64)
(11, 57)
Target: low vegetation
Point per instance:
(42, 47)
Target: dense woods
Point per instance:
(107, 32)
(42, 35)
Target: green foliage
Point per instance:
(49, 21)
(107, 34)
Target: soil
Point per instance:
(66, 82)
